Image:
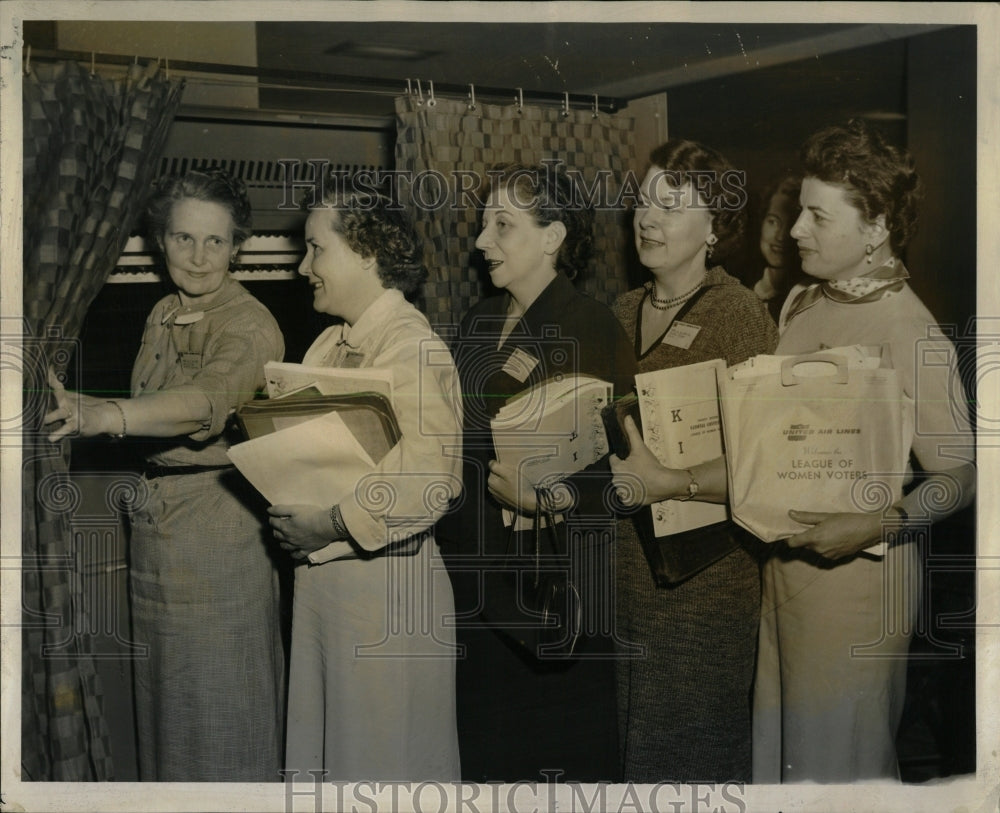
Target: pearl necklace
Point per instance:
(667, 304)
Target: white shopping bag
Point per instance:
(828, 431)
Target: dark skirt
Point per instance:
(684, 702)
(521, 718)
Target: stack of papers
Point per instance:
(313, 446)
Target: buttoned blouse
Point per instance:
(411, 486)
(215, 353)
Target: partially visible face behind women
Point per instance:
(776, 243)
(198, 247)
(672, 225)
(831, 232)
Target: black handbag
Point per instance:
(532, 599)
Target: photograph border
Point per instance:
(980, 792)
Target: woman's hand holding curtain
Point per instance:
(81, 414)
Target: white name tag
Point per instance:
(520, 364)
(681, 334)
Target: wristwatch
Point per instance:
(692, 487)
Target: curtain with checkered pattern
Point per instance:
(91, 145)
(447, 146)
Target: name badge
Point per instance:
(353, 359)
(190, 362)
(681, 334)
(520, 364)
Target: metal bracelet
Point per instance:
(121, 412)
(337, 521)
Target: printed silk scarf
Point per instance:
(877, 283)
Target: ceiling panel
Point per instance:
(624, 60)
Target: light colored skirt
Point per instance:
(372, 680)
(831, 667)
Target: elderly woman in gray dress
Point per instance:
(204, 589)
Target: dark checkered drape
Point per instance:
(90, 148)
(447, 137)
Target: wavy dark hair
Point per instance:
(551, 196)
(788, 186)
(879, 178)
(212, 185)
(717, 181)
(375, 227)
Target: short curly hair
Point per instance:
(879, 178)
(373, 226)
(721, 185)
(552, 197)
(211, 185)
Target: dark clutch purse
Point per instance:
(675, 558)
(532, 600)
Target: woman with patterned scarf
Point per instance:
(837, 619)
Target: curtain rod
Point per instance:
(609, 104)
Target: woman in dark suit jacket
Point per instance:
(520, 715)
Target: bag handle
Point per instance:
(544, 514)
(790, 379)
(544, 510)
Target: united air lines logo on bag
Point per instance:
(798, 431)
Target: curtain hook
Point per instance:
(565, 110)
(597, 106)
(27, 61)
(519, 99)
(93, 60)
(431, 101)
(166, 69)
(420, 93)
(472, 97)
(409, 87)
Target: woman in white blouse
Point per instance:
(372, 681)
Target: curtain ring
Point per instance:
(472, 97)
(519, 100)
(596, 106)
(431, 101)
(565, 110)
(27, 62)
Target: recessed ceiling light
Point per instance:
(368, 50)
(882, 115)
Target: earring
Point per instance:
(869, 250)
(712, 240)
